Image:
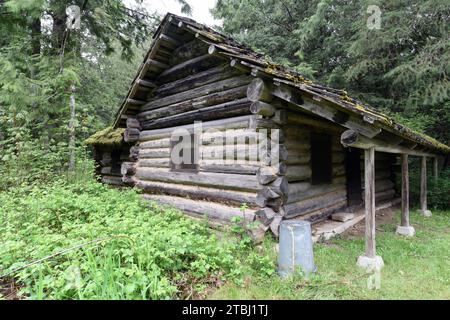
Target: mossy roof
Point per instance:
(247, 58)
(106, 137)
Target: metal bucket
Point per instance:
(295, 248)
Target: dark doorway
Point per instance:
(353, 172)
(321, 162)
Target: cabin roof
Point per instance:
(106, 137)
(243, 57)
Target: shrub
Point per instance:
(438, 191)
(115, 246)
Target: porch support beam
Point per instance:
(260, 90)
(351, 138)
(405, 228)
(370, 261)
(423, 188)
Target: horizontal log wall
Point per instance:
(314, 202)
(199, 87)
(384, 177)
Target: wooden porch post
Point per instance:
(370, 260)
(423, 188)
(435, 168)
(404, 228)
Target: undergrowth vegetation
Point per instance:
(82, 240)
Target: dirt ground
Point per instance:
(384, 216)
(9, 289)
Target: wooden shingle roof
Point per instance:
(243, 57)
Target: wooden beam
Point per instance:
(157, 64)
(286, 93)
(135, 102)
(423, 187)
(405, 192)
(435, 169)
(351, 138)
(171, 41)
(146, 84)
(258, 90)
(369, 199)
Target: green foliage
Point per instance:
(139, 252)
(438, 196)
(402, 67)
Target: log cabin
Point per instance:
(299, 150)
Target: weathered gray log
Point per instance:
(369, 200)
(280, 117)
(423, 185)
(224, 110)
(128, 180)
(383, 185)
(304, 190)
(298, 159)
(194, 81)
(294, 209)
(156, 144)
(189, 67)
(350, 138)
(279, 186)
(323, 213)
(134, 153)
(157, 64)
(275, 204)
(128, 168)
(215, 98)
(198, 192)
(257, 122)
(146, 84)
(325, 110)
(155, 163)
(384, 195)
(236, 167)
(220, 125)
(113, 180)
(296, 119)
(188, 51)
(258, 90)
(133, 123)
(230, 152)
(265, 215)
(135, 102)
(131, 135)
(197, 92)
(209, 179)
(154, 153)
(405, 192)
(298, 172)
(266, 175)
(262, 108)
(278, 151)
(230, 137)
(211, 210)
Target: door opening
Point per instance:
(353, 173)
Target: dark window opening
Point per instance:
(115, 161)
(190, 149)
(321, 162)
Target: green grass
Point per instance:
(415, 268)
(103, 243)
